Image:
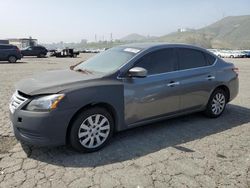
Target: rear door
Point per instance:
(1, 53)
(158, 93)
(197, 78)
(36, 51)
(28, 51)
(4, 52)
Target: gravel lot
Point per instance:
(189, 151)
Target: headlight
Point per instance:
(45, 103)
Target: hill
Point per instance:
(232, 32)
(133, 37)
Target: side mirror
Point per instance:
(137, 72)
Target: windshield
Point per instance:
(107, 61)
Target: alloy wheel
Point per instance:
(12, 59)
(93, 131)
(218, 103)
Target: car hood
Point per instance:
(54, 81)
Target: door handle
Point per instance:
(172, 84)
(210, 77)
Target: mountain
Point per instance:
(134, 37)
(232, 32)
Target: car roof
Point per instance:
(37, 46)
(145, 46)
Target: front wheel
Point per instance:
(216, 103)
(12, 59)
(41, 55)
(91, 130)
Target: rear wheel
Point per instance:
(12, 59)
(216, 103)
(41, 55)
(91, 130)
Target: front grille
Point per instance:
(16, 101)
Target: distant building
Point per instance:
(20, 43)
(181, 30)
(83, 41)
(23, 42)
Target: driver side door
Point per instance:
(158, 93)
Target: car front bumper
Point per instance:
(41, 128)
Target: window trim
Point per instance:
(176, 50)
(181, 70)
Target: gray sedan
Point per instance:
(121, 88)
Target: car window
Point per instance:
(5, 47)
(158, 62)
(38, 48)
(210, 59)
(189, 58)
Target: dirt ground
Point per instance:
(188, 151)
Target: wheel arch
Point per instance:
(104, 105)
(12, 55)
(224, 88)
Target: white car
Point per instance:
(228, 53)
(233, 54)
(216, 52)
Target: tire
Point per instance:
(231, 56)
(86, 135)
(41, 55)
(216, 104)
(12, 59)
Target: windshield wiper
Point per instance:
(73, 66)
(84, 71)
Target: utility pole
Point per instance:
(111, 37)
(95, 38)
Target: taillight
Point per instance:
(236, 70)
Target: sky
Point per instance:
(73, 20)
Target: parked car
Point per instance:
(9, 53)
(67, 52)
(246, 53)
(39, 51)
(118, 89)
(215, 52)
(230, 54)
(93, 50)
